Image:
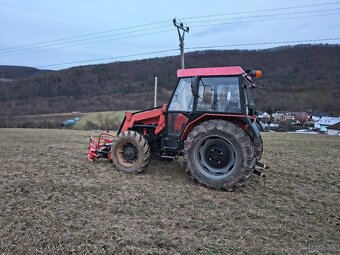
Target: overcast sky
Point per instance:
(42, 33)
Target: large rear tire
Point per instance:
(130, 152)
(219, 155)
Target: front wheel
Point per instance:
(219, 155)
(130, 152)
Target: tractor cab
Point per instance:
(205, 93)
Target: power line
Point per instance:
(80, 44)
(85, 35)
(191, 48)
(264, 10)
(263, 20)
(38, 48)
(86, 39)
(263, 43)
(163, 21)
(108, 58)
(263, 16)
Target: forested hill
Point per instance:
(299, 78)
(19, 72)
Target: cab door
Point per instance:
(178, 112)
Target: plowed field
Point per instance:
(53, 201)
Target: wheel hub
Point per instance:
(129, 152)
(217, 156)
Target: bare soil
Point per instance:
(53, 201)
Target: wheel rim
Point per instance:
(215, 157)
(127, 154)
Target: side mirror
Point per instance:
(195, 85)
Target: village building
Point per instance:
(264, 117)
(323, 124)
(282, 117)
(334, 129)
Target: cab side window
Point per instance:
(219, 94)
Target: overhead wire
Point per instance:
(67, 40)
(80, 44)
(263, 16)
(194, 21)
(190, 48)
(164, 21)
(262, 10)
(76, 42)
(262, 43)
(264, 20)
(239, 21)
(107, 58)
(86, 35)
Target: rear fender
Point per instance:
(243, 121)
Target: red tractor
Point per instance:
(210, 120)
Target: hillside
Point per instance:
(20, 72)
(299, 78)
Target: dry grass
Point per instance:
(115, 116)
(52, 200)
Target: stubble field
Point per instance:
(53, 201)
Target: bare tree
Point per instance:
(105, 122)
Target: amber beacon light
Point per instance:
(254, 73)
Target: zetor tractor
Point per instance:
(210, 120)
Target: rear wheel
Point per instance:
(130, 152)
(219, 155)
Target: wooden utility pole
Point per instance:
(181, 29)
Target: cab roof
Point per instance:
(210, 71)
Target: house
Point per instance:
(263, 117)
(334, 129)
(301, 117)
(282, 117)
(325, 122)
(317, 116)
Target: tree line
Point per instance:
(295, 78)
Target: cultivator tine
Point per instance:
(260, 164)
(259, 173)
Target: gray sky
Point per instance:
(41, 33)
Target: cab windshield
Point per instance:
(183, 98)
